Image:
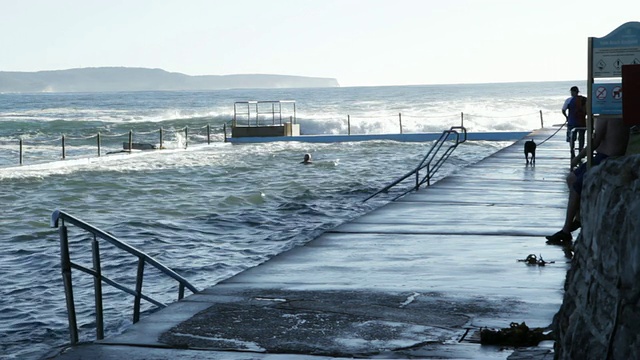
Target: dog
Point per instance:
(530, 148)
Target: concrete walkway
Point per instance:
(416, 278)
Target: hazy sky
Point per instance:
(359, 42)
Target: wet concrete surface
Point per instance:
(417, 278)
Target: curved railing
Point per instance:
(60, 219)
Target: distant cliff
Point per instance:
(141, 79)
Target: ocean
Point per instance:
(211, 210)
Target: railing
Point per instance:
(96, 143)
(426, 162)
(60, 216)
(127, 142)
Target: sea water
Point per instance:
(211, 210)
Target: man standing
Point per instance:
(575, 111)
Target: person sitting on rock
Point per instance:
(610, 139)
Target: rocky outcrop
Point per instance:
(600, 314)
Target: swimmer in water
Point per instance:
(307, 159)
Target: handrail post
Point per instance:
(65, 262)
(130, 141)
(136, 304)
(208, 134)
(541, 120)
(21, 152)
(97, 285)
(348, 124)
(99, 144)
(461, 119)
(400, 119)
(161, 146)
(181, 291)
(64, 155)
(186, 137)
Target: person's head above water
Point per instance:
(307, 159)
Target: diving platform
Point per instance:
(260, 119)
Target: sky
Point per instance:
(357, 42)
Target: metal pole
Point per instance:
(97, 285)
(181, 291)
(64, 155)
(348, 124)
(65, 263)
(224, 128)
(186, 137)
(130, 140)
(400, 118)
(136, 304)
(461, 119)
(541, 120)
(590, 120)
(161, 146)
(21, 153)
(99, 144)
(208, 135)
(273, 114)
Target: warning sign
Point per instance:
(607, 99)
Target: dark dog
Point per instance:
(530, 148)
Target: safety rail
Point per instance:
(427, 161)
(142, 141)
(59, 216)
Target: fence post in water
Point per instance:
(348, 124)
(161, 146)
(64, 155)
(461, 119)
(208, 135)
(224, 128)
(97, 288)
(65, 262)
(186, 137)
(21, 154)
(400, 118)
(130, 140)
(98, 143)
(541, 121)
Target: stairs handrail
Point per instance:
(427, 159)
(59, 219)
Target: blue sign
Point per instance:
(620, 47)
(626, 35)
(606, 99)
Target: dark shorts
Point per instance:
(578, 134)
(582, 169)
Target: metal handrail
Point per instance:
(98, 278)
(426, 161)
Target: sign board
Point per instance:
(620, 47)
(606, 99)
